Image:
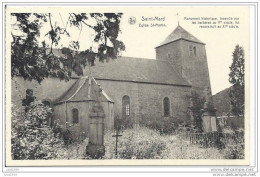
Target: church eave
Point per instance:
(179, 40)
(62, 102)
(142, 82)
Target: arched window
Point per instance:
(194, 51)
(166, 106)
(126, 106)
(75, 116)
(190, 50)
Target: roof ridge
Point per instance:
(84, 82)
(189, 33)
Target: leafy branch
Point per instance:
(33, 61)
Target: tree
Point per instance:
(236, 77)
(197, 109)
(35, 60)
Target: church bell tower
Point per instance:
(187, 55)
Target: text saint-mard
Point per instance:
(156, 18)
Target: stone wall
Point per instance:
(146, 100)
(83, 109)
(49, 89)
(171, 52)
(194, 68)
(151, 100)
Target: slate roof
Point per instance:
(137, 70)
(180, 33)
(84, 89)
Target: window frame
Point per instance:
(126, 106)
(75, 110)
(194, 50)
(165, 112)
(190, 50)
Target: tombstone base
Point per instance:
(209, 121)
(95, 151)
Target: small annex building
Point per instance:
(72, 108)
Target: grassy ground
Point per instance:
(144, 143)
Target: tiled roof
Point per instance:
(180, 33)
(137, 70)
(83, 89)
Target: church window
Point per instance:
(75, 116)
(166, 106)
(194, 51)
(126, 106)
(190, 50)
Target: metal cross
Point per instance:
(178, 18)
(117, 135)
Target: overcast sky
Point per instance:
(141, 41)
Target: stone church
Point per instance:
(132, 88)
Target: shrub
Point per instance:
(196, 109)
(234, 146)
(32, 138)
(138, 143)
(144, 143)
(165, 125)
(123, 123)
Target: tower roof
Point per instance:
(178, 34)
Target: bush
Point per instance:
(196, 109)
(138, 143)
(123, 123)
(234, 146)
(144, 143)
(32, 138)
(165, 125)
